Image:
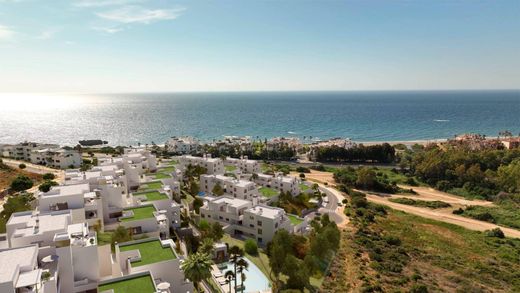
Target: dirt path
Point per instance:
(443, 215)
(318, 177)
(430, 194)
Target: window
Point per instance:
(260, 231)
(259, 223)
(220, 217)
(202, 215)
(251, 225)
(259, 240)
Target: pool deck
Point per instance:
(218, 277)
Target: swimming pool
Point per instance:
(255, 279)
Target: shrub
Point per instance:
(458, 211)
(419, 288)
(48, 176)
(303, 170)
(21, 182)
(22, 166)
(495, 233)
(46, 186)
(251, 247)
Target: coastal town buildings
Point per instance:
(277, 143)
(183, 145)
(50, 155)
(279, 182)
(243, 164)
(238, 188)
(212, 165)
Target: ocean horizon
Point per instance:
(131, 118)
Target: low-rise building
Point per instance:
(212, 165)
(279, 182)
(243, 164)
(50, 155)
(155, 256)
(242, 189)
(183, 145)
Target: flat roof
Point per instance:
(151, 195)
(151, 252)
(12, 258)
(236, 202)
(265, 211)
(140, 213)
(47, 222)
(137, 284)
(65, 190)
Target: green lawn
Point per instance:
(152, 195)
(295, 220)
(104, 238)
(141, 284)
(268, 192)
(167, 169)
(230, 168)
(161, 176)
(173, 162)
(140, 213)
(151, 252)
(151, 185)
(304, 187)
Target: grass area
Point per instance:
(436, 204)
(161, 176)
(152, 195)
(230, 168)
(166, 169)
(295, 220)
(268, 192)
(173, 162)
(504, 215)
(104, 238)
(304, 187)
(140, 213)
(151, 185)
(393, 175)
(400, 252)
(141, 284)
(151, 252)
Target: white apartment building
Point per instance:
(50, 155)
(212, 165)
(243, 217)
(129, 255)
(20, 271)
(68, 251)
(85, 205)
(243, 164)
(280, 182)
(183, 145)
(238, 188)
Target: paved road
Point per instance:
(335, 212)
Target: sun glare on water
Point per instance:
(39, 102)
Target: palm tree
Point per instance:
(229, 275)
(236, 254)
(197, 267)
(242, 266)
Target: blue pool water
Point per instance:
(255, 279)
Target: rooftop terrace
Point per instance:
(151, 252)
(139, 284)
(152, 195)
(295, 220)
(151, 185)
(139, 213)
(268, 192)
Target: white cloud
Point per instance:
(108, 30)
(103, 3)
(6, 32)
(137, 14)
(47, 34)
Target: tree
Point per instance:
(207, 246)
(236, 254)
(197, 267)
(216, 231)
(242, 266)
(229, 275)
(197, 204)
(121, 235)
(46, 186)
(217, 190)
(48, 176)
(251, 247)
(21, 182)
(22, 166)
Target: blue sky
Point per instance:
(154, 46)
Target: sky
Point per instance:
(159, 46)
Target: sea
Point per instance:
(129, 119)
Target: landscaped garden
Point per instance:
(268, 192)
(140, 213)
(151, 252)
